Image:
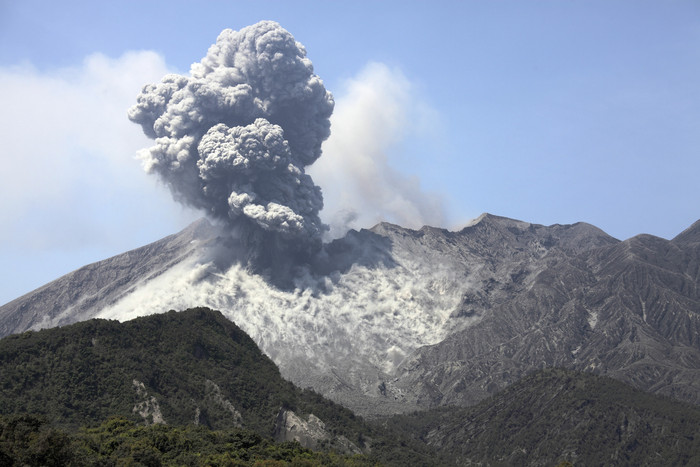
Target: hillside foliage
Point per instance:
(193, 370)
(28, 440)
(86, 372)
(191, 388)
(556, 416)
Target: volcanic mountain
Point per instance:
(389, 319)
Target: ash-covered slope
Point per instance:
(630, 310)
(391, 319)
(80, 294)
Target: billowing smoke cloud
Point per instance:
(235, 136)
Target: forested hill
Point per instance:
(174, 366)
(182, 383)
(557, 416)
(178, 368)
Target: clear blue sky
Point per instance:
(544, 111)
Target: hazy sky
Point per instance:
(548, 112)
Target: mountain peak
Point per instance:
(484, 217)
(384, 228)
(689, 235)
(491, 219)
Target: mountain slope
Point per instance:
(559, 415)
(389, 319)
(630, 310)
(193, 367)
(690, 236)
(78, 295)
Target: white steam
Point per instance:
(372, 118)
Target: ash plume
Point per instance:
(234, 137)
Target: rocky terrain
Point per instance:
(389, 320)
(630, 310)
(191, 388)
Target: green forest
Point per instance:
(192, 389)
(28, 440)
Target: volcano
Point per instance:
(390, 320)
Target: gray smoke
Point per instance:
(234, 137)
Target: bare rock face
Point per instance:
(630, 310)
(389, 319)
(148, 407)
(310, 433)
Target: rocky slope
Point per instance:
(629, 309)
(390, 319)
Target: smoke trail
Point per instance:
(234, 137)
(375, 112)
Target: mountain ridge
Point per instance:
(390, 319)
(605, 295)
(82, 289)
(689, 235)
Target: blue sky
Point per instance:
(548, 112)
